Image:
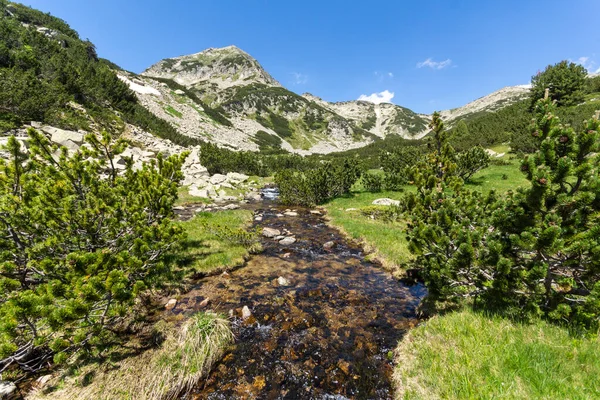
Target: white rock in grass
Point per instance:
(386, 202)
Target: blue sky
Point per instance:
(431, 54)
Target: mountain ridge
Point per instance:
(230, 79)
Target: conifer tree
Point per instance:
(79, 242)
(447, 222)
(545, 247)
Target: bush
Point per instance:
(372, 182)
(469, 162)
(81, 243)
(535, 252)
(318, 185)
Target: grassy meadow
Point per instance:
(467, 355)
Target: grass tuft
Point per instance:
(166, 373)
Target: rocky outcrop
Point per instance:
(223, 67)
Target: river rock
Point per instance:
(271, 232)
(258, 218)
(253, 197)
(204, 303)
(281, 281)
(329, 245)
(230, 207)
(291, 213)
(6, 389)
(315, 212)
(386, 202)
(351, 209)
(171, 304)
(246, 313)
(287, 241)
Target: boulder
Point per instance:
(217, 178)
(315, 212)
(198, 192)
(386, 202)
(253, 197)
(271, 232)
(179, 92)
(236, 178)
(61, 136)
(287, 241)
(230, 207)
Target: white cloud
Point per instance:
(586, 63)
(299, 79)
(381, 76)
(377, 98)
(434, 64)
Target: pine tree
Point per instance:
(546, 242)
(447, 223)
(80, 243)
(469, 162)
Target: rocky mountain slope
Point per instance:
(489, 103)
(263, 115)
(221, 95)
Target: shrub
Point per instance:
(469, 162)
(532, 253)
(372, 182)
(81, 243)
(316, 186)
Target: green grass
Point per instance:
(386, 240)
(204, 252)
(184, 197)
(492, 178)
(501, 148)
(173, 112)
(466, 355)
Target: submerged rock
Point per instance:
(329, 245)
(287, 241)
(171, 304)
(271, 232)
(281, 281)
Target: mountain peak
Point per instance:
(223, 67)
